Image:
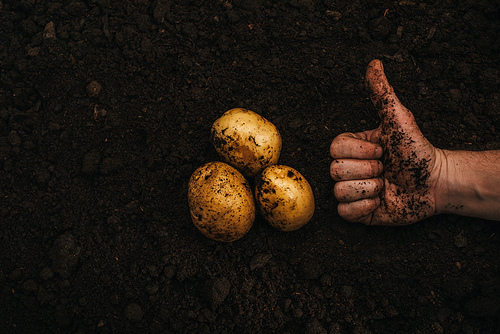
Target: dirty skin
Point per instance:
(411, 188)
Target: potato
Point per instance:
(246, 141)
(284, 197)
(221, 202)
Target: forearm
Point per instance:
(469, 184)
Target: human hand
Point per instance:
(385, 176)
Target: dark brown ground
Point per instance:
(95, 231)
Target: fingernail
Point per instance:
(380, 167)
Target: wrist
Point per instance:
(446, 189)
(468, 183)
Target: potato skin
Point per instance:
(246, 140)
(284, 197)
(220, 202)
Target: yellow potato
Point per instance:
(284, 197)
(221, 202)
(246, 140)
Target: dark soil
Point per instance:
(105, 111)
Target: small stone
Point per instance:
(99, 113)
(310, 269)
(30, 286)
(161, 9)
(479, 250)
(259, 260)
(34, 51)
(152, 289)
(46, 273)
(296, 123)
(314, 327)
(190, 30)
(43, 296)
(65, 284)
(287, 302)
(153, 270)
(302, 4)
(42, 175)
(297, 312)
(455, 94)
(380, 27)
(133, 312)
(16, 274)
(359, 329)
(50, 31)
(76, 8)
(169, 271)
(460, 241)
(114, 223)
(334, 15)
(346, 291)
(391, 311)
(326, 280)
(216, 290)
(443, 314)
(399, 31)
(91, 162)
(114, 299)
(94, 88)
(437, 328)
(53, 126)
(65, 253)
(14, 139)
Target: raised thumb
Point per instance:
(377, 85)
(383, 97)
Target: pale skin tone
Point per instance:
(393, 175)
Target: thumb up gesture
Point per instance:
(385, 176)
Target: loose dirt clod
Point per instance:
(94, 88)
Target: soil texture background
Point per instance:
(105, 111)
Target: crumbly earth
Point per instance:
(105, 111)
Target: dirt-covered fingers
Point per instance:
(384, 98)
(354, 169)
(376, 82)
(359, 211)
(355, 145)
(354, 190)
